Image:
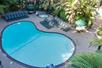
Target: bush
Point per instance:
(62, 15)
(3, 9)
(13, 7)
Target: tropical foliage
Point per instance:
(7, 2)
(6, 5)
(72, 10)
(12, 5)
(68, 10)
(97, 43)
(21, 4)
(3, 5)
(79, 9)
(44, 4)
(2, 9)
(99, 30)
(89, 60)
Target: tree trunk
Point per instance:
(99, 47)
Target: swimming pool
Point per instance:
(26, 44)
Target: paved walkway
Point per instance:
(81, 40)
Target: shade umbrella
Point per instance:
(80, 23)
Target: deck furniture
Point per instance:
(46, 23)
(42, 14)
(11, 16)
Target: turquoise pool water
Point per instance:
(23, 42)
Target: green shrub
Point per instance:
(3, 9)
(13, 7)
(62, 15)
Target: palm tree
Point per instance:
(96, 42)
(88, 60)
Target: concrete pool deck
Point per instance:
(81, 40)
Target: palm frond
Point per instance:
(89, 60)
(96, 42)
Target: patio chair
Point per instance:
(24, 13)
(63, 26)
(15, 15)
(7, 17)
(12, 16)
(47, 23)
(66, 29)
(42, 14)
(50, 23)
(55, 22)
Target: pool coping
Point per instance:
(21, 63)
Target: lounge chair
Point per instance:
(64, 26)
(15, 15)
(46, 24)
(66, 29)
(55, 22)
(42, 14)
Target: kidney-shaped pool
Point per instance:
(26, 44)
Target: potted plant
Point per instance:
(76, 10)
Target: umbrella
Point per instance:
(80, 22)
